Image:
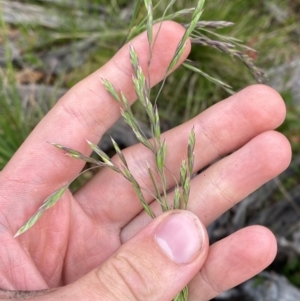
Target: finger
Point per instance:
(85, 112)
(176, 241)
(219, 130)
(232, 261)
(231, 179)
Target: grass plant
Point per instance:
(218, 49)
(195, 30)
(157, 145)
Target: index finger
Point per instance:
(85, 112)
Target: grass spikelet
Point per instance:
(48, 203)
(129, 118)
(190, 152)
(128, 175)
(183, 295)
(138, 78)
(161, 156)
(163, 204)
(156, 123)
(213, 24)
(75, 154)
(185, 184)
(107, 161)
(111, 89)
(119, 152)
(229, 46)
(180, 48)
(149, 8)
(176, 200)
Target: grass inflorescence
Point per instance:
(157, 145)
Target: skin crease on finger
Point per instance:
(244, 254)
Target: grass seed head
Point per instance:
(48, 203)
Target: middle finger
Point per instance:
(219, 130)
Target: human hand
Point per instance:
(98, 243)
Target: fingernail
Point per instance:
(180, 236)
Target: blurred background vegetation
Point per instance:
(46, 46)
(59, 42)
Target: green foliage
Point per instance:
(14, 126)
(291, 126)
(292, 271)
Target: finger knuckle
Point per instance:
(127, 277)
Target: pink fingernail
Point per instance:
(180, 236)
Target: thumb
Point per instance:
(155, 264)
